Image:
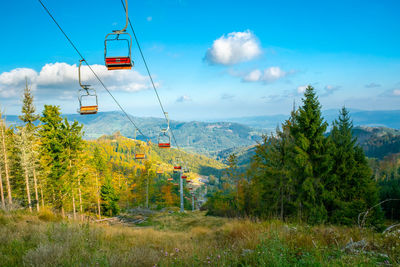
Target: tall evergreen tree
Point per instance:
(311, 160)
(271, 170)
(29, 117)
(28, 140)
(350, 189)
(109, 198)
(53, 154)
(28, 109)
(284, 149)
(339, 187)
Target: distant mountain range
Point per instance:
(201, 137)
(217, 139)
(384, 118)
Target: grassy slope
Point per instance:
(191, 239)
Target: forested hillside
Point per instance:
(120, 152)
(243, 154)
(378, 142)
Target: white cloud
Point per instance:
(396, 92)
(301, 89)
(53, 74)
(184, 98)
(234, 48)
(273, 73)
(58, 77)
(149, 18)
(253, 76)
(266, 76)
(16, 76)
(13, 79)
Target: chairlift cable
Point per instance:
(151, 78)
(94, 73)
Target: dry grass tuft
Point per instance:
(47, 215)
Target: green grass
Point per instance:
(190, 239)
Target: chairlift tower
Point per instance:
(181, 190)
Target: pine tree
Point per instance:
(311, 160)
(351, 188)
(53, 155)
(284, 151)
(109, 198)
(28, 109)
(339, 189)
(271, 171)
(29, 117)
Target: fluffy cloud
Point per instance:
(253, 76)
(301, 89)
(184, 98)
(234, 48)
(58, 77)
(266, 76)
(396, 92)
(16, 78)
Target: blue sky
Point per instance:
(210, 59)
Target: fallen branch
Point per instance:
(365, 213)
(107, 219)
(391, 227)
